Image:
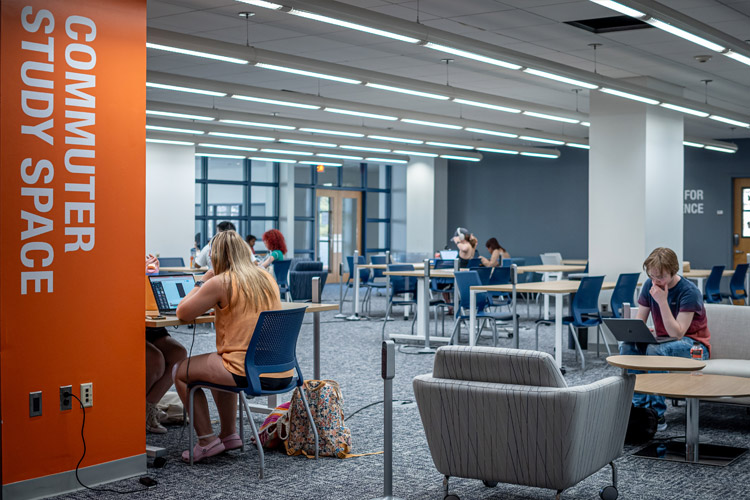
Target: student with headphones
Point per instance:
(467, 245)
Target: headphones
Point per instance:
(460, 234)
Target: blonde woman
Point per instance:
(238, 291)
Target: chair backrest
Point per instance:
(586, 300)
(444, 263)
(737, 283)
(551, 258)
(377, 259)
(500, 276)
(623, 292)
(364, 274)
(713, 284)
(171, 262)
(464, 281)
(281, 271)
(484, 274)
(301, 276)
(402, 284)
(474, 263)
(273, 346)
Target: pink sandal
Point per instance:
(200, 452)
(232, 442)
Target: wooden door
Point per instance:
(338, 229)
(741, 236)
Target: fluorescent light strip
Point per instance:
(415, 153)
(262, 3)
(686, 35)
(243, 136)
(729, 121)
(341, 157)
(361, 148)
(324, 163)
(395, 139)
(577, 145)
(432, 124)
(487, 106)
(165, 141)
(501, 151)
(559, 78)
(287, 152)
(585, 124)
(738, 57)
(354, 26)
(308, 143)
(206, 55)
(688, 111)
(541, 139)
(258, 124)
(184, 89)
(277, 160)
(491, 132)
(622, 9)
(387, 160)
(448, 145)
(217, 155)
(176, 130)
(537, 155)
(308, 73)
(179, 115)
(721, 150)
(359, 113)
(406, 91)
(693, 144)
(226, 146)
(626, 95)
(472, 55)
(274, 101)
(330, 132)
(454, 157)
(550, 117)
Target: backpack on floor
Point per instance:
(326, 406)
(275, 428)
(641, 425)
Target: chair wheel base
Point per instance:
(608, 493)
(451, 497)
(490, 484)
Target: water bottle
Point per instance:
(192, 257)
(696, 352)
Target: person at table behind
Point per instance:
(162, 353)
(467, 245)
(238, 291)
(276, 245)
(204, 257)
(250, 240)
(676, 306)
(497, 254)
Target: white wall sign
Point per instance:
(693, 201)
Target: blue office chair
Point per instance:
(476, 262)
(403, 287)
(464, 281)
(585, 314)
(376, 273)
(272, 349)
(712, 294)
(364, 274)
(171, 262)
(624, 291)
(500, 276)
(737, 284)
(281, 271)
(484, 274)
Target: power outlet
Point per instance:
(87, 394)
(66, 402)
(35, 404)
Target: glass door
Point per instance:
(339, 226)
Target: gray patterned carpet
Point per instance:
(351, 355)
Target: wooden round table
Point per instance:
(656, 363)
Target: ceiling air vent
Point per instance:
(609, 24)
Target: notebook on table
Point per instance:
(633, 330)
(169, 290)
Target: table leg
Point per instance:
(691, 430)
(316, 346)
(355, 305)
(423, 310)
(545, 299)
(472, 316)
(558, 328)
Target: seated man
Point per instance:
(677, 308)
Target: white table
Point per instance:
(356, 305)
(546, 270)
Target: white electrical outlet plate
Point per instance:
(87, 394)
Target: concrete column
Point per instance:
(426, 205)
(286, 206)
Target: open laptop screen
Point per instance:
(169, 290)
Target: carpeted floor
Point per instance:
(351, 355)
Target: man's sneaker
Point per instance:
(661, 424)
(152, 420)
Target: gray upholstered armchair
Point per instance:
(507, 415)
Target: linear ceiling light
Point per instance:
(274, 101)
(448, 145)
(243, 136)
(485, 105)
(313, 74)
(324, 163)
(407, 91)
(431, 124)
(559, 78)
(577, 145)
(622, 9)
(226, 146)
(550, 117)
(308, 143)
(415, 153)
(501, 151)
(682, 109)
(538, 155)
(693, 144)
(363, 148)
(354, 26)
(262, 3)
(188, 52)
(258, 124)
(173, 129)
(179, 115)
(721, 150)
(456, 157)
(330, 132)
(287, 152)
(185, 89)
(738, 57)
(219, 155)
(341, 157)
(176, 143)
(686, 35)
(472, 55)
(541, 139)
(359, 113)
(729, 121)
(585, 124)
(490, 132)
(277, 160)
(394, 139)
(387, 160)
(626, 95)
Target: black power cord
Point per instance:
(145, 480)
(402, 402)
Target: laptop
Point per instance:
(169, 290)
(633, 330)
(448, 254)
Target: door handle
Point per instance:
(738, 251)
(736, 239)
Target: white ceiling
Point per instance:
(534, 27)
